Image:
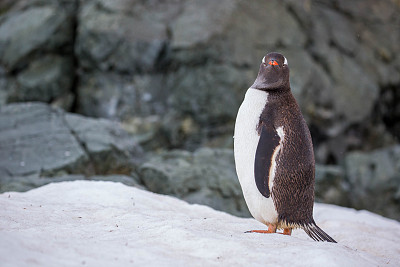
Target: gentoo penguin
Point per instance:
(274, 154)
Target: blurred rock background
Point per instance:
(146, 93)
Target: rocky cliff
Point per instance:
(172, 74)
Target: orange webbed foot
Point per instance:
(271, 230)
(287, 231)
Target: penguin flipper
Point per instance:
(263, 163)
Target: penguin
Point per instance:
(274, 155)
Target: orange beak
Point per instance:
(273, 62)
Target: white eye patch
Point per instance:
(284, 63)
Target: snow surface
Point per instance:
(87, 223)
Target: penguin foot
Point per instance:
(271, 230)
(260, 231)
(287, 231)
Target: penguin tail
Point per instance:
(317, 233)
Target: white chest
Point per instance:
(245, 145)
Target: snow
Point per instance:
(87, 223)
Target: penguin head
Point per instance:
(273, 73)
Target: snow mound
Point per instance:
(86, 223)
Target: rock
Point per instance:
(389, 111)
(147, 132)
(36, 45)
(206, 176)
(239, 35)
(215, 100)
(374, 180)
(330, 185)
(44, 80)
(353, 65)
(363, 91)
(123, 179)
(342, 31)
(121, 97)
(36, 28)
(5, 5)
(28, 182)
(39, 141)
(110, 149)
(220, 83)
(35, 139)
(225, 58)
(110, 37)
(205, 25)
(312, 88)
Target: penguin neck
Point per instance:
(277, 93)
(282, 98)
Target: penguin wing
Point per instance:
(267, 147)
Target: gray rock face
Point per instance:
(36, 44)
(25, 31)
(208, 94)
(352, 68)
(35, 138)
(120, 97)
(28, 182)
(206, 176)
(39, 141)
(331, 185)
(375, 180)
(110, 149)
(44, 80)
(178, 60)
(124, 36)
